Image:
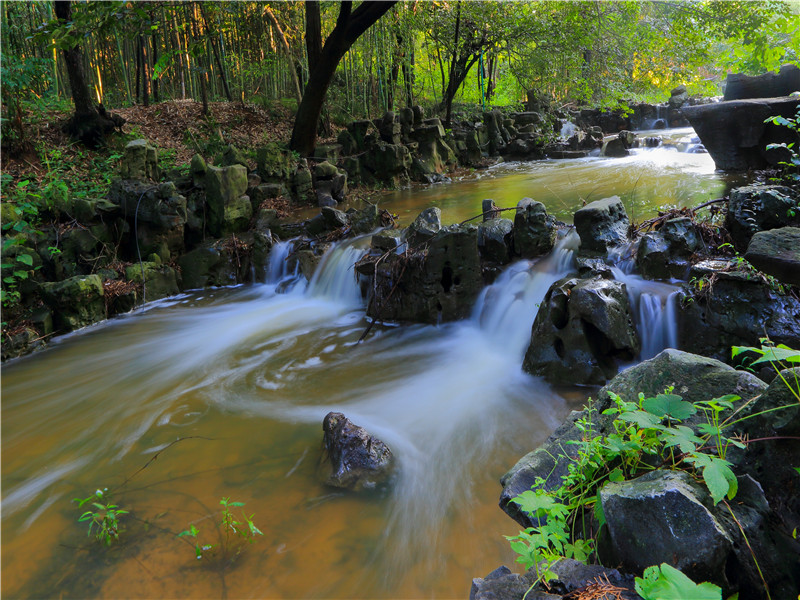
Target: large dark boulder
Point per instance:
(777, 253)
(358, 459)
(755, 208)
(725, 307)
(736, 135)
(768, 85)
(495, 240)
(662, 517)
(438, 277)
(582, 331)
(602, 224)
(534, 230)
(665, 253)
(214, 263)
(693, 377)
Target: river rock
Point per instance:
(156, 214)
(76, 302)
(495, 240)
(768, 85)
(602, 224)
(231, 156)
(358, 459)
(224, 187)
(386, 163)
(736, 135)
(427, 224)
(274, 163)
(694, 378)
(549, 462)
(157, 280)
(534, 230)
(302, 182)
(664, 253)
(432, 153)
(437, 282)
(583, 329)
(724, 308)
(140, 161)
(755, 208)
(214, 263)
(502, 584)
(661, 517)
(777, 253)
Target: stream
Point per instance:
(243, 377)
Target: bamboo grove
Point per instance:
(430, 53)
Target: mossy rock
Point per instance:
(159, 281)
(274, 163)
(75, 302)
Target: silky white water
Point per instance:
(255, 371)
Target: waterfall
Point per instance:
(655, 309)
(335, 279)
(656, 321)
(506, 309)
(568, 129)
(278, 266)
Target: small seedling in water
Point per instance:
(236, 533)
(103, 518)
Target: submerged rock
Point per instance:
(358, 459)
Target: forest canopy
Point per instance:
(429, 53)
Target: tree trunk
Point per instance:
(73, 57)
(87, 124)
(313, 33)
(349, 26)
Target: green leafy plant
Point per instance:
(663, 582)
(780, 356)
(235, 533)
(791, 166)
(642, 436)
(103, 517)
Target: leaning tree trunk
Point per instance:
(349, 26)
(86, 124)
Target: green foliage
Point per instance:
(668, 583)
(236, 532)
(791, 166)
(780, 356)
(644, 433)
(103, 517)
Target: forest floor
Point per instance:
(177, 128)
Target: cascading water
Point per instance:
(278, 266)
(655, 308)
(255, 371)
(504, 310)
